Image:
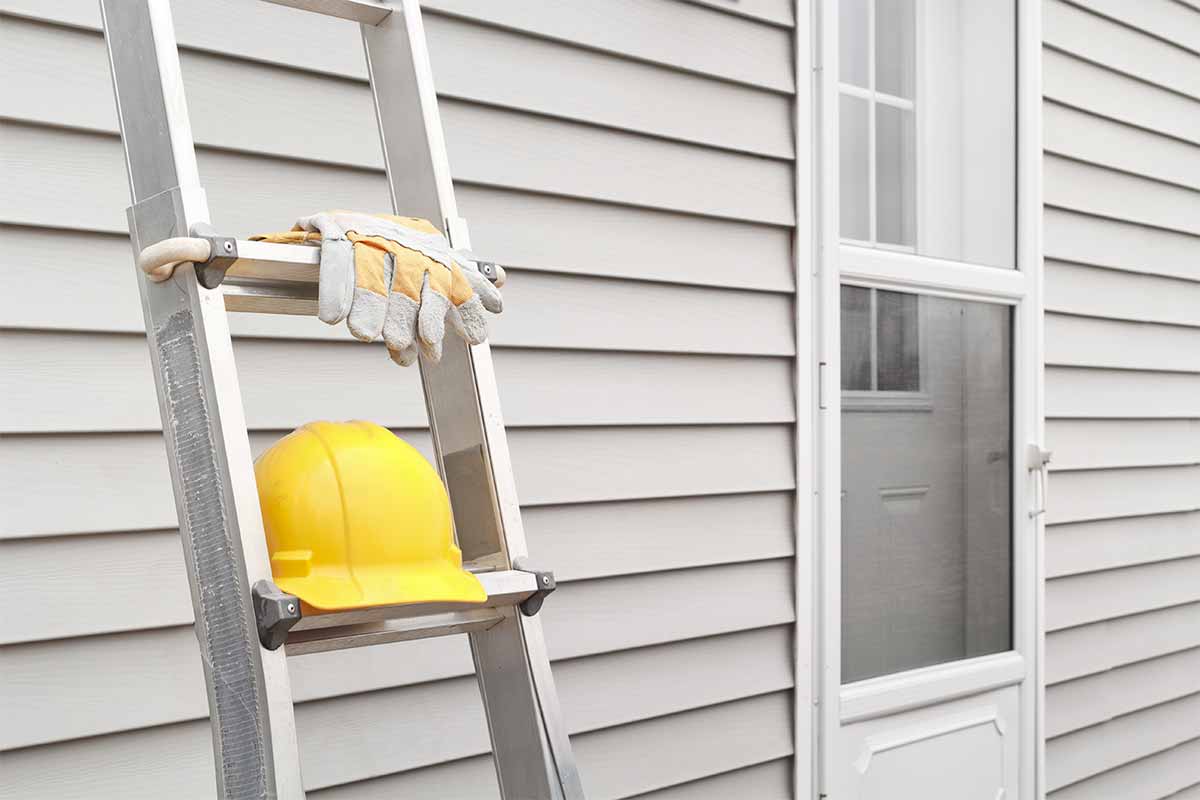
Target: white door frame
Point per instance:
(821, 705)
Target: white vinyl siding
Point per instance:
(634, 163)
(1122, 238)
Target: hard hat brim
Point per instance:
(424, 583)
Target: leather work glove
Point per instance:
(396, 277)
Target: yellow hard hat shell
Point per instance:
(356, 517)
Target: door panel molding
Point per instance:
(891, 694)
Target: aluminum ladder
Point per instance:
(246, 627)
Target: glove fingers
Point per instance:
(400, 324)
(405, 357)
(373, 275)
(431, 322)
(335, 286)
(484, 290)
(470, 321)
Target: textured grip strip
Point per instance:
(222, 627)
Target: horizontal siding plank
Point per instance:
(1151, 778)
(1096, 699)
(625, 538)
(45, 263)
(769, 781)
(602, 609)
(656, 31)
(1083, 84)
(673, 750)
(43, 376)
(379, 733)
(661, 32)
(1091, 597)
(45, 490)
(273, 104)
(487, 146)
(1113, 294)
(476, 778)
(88, 686)
(780, 12)
(1108, 443)
(542, 310)
(1089, 342)
(1109, 544)
(1088, 752)
(1079, 393)
(1120, 245)
(1165, 19)
(1105, 494)
(122, 570)
(604, 540)
(177, 760)
(1117, 47)
(1086, 137)
(1099, 646)
(1103, 192)
(473, 777)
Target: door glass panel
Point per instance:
(897, 328)
(853, 38)
(855, 167)
(895, 59)
(895, 172)
(939, 84)
(856, 339)
(926, 501)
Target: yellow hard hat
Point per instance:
(356, 517)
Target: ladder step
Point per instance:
(341, 630)
(271, 278)
(364, 11)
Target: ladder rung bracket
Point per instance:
(362, 11)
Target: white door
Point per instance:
(928, 306)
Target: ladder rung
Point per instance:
(364, 11)
(271, 278)
(343, 629)
(322, 640)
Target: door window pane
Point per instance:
(856, 338)
(855, 168)
(898, 369)
(940, 127)
(895, 61)
(895, 168)
(853, 37)
(926, 511)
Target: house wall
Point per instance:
(1122, 240)
(633, 161)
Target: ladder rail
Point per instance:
(511, 661)
(208, 448)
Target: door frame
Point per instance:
(821, 706)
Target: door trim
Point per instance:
(807, 257)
